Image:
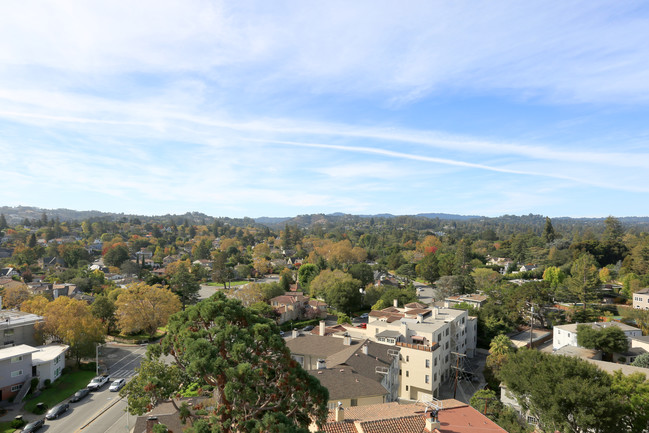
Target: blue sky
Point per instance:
(285, 108)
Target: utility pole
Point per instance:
(531, 325)
(97, 358)
(457, 371)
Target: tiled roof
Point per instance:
(455, 417)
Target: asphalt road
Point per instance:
(101, 411)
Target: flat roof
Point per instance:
(22, 349)
(48, 353)
(10, 318)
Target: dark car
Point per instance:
(33, 426)
(307, 328)
(79, 395)
(57, 411)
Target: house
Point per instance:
(18, 364)
(436, 416)
(526, 268)
(15, 369)
(641, 299)
(17, 327)
(289, 306)
(9, 272)
(167, 414)
(376, 363)
(51, 262)
(503, 262)
(474, 300)
(566, 335)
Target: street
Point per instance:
(101, 411)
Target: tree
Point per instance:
(641, 361)
(14, 295)
(71, 322)
(306, 274)
(257, 386)
(485, 278)
(104, 309)
(3, 222)
(116, 255)
(499, 350)
(35, 305)
(563, 392)
(428, 268)
(584, 278)
(548, 231)
(184, 284)
(613, 230)
(145, 308)
(202, 249)
(362, 272)
(610, 339)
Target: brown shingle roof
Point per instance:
(344, 382)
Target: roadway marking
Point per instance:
(99, 413)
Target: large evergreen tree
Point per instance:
(257, 386)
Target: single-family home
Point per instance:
(566, 335)
(641, 299)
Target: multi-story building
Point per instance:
(17, 327)
(432, 341)
(641, 299)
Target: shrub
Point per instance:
(33, 384)
(47, 383)
(17, 423)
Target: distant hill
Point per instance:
(16, 215)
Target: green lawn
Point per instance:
(5, 427)
(62, 388)
(231, 283)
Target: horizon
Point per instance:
(475, 108)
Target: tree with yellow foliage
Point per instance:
(35, 305)
(14, 294)
(145, 308)
(71, 322)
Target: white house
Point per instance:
(566, 335)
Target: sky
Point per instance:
(257, 108)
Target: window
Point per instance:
(428, 363)
(439, 337)
(435, 377)
(332, 405)
(9, 332)
(354, 402)
(399, 372)
(407, 358)
(406, 387)
(58, 359)
(16, 373)
(447, 332)
(447, 344)
(427, 379)
(446, 360)
(16, 387)
(435, 362)
(463, 320)
(15, 359)
(407, 373)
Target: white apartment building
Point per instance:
(428, 339)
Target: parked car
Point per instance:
(117, 385)
(307, 328)
(57, 411)
(364, 316)
(362, 325)
(79, 395)
(33, 426)
(98, 382)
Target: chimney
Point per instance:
(347, 340)
(295, 333)
(432, 422)
(364, 348)
(340, 413)
(322, 328)
(322, 364)
(395, 303)
(150, 422)
(434, 313)
(420, 318)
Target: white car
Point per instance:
(117, 385)
(99, 381)
(364, 316)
